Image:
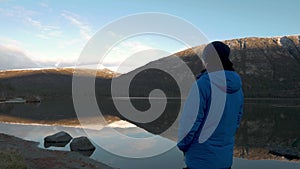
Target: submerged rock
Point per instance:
(60, 137)
(82, 144)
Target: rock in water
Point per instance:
(82, 144)
(60, 137)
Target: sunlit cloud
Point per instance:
(84, 28)
(44, 31)
(33, 22)
(26, 16)
(14, 57)
(68, 43)
(17, 12)
(123, 51)
(44, 4)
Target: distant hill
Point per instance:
(46, 83)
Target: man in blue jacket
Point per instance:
(212, 112)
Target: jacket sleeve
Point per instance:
(192, 116)
(240, 113)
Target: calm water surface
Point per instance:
(265, 122)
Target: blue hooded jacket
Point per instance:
(208, 142)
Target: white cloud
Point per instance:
(42, 36)
(34, 23)
(68, 43)
(122, 51)
(26, 16)
(17, 12)
(45, 31)
(118, 55)
(84, 28)
(131, 54)
(44, 4)
(14, 57)
(11, 43)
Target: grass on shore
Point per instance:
(11, 160)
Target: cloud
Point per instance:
(12, 57)
(26, 16)
(126, 56)
(68, 43)
(125, 49)
(44, 31)
(129, 55)
(17, 12)
(34, 23)
(84, 28)
(44, 4)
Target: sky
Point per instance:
(52, 33)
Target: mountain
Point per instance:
(269, 67)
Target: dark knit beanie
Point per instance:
(223, 52)
(222, 49)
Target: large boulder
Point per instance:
(82, 144)
(60, 137)
(51, 144)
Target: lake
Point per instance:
(172, 159)
(265, 122)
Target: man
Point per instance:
(206, 134)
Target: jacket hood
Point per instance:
(233, 80)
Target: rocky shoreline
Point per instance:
(245, 150)
(30, 156)
(36, 158)
(259, 153)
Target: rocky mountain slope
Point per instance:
(269, 67)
